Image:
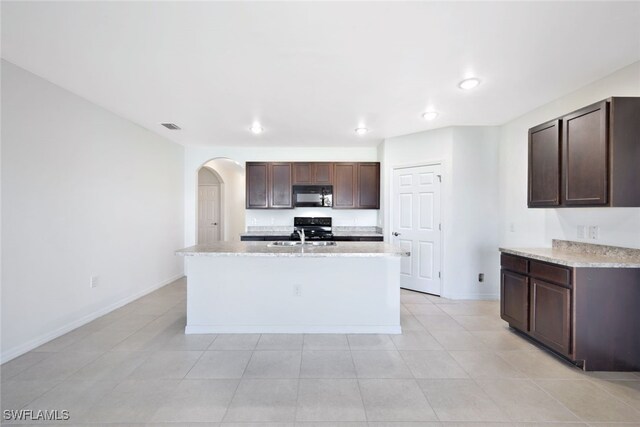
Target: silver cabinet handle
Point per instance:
(395, 233)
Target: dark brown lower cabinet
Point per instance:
(551, 315)
(589, 316)
(514, 306)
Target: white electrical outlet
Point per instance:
(594, 232)
(581, 232)
(297, 290)
(94, 281)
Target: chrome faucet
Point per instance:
(301, 234)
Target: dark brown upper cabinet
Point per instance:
(268, 185)
(368, 186)
(597, 150)
(310, 173)
(257, 177)
(355, 185)
(345, 176)
(322, 173)
(544, 165)
(280, 186)
(585, 156)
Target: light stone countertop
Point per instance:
(335, 233)
(357, 234)
(262, 249)
(578, 254)
(267, 233)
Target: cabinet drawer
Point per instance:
(550, 273)
(514, 263)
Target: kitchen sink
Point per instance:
(324, 243)
(285, 243)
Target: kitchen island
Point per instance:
(257, 287)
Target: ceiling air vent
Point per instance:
(171, 126)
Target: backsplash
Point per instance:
(284, 217)
(289, 229)
(593, 249)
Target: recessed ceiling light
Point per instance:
(467, 84)
(429, 115)
(362, 131)
(171, 126)
(256, 128)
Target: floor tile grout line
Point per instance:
(193, 366)
(235, 391)
(558, 401)
(428, 401)
(295, 412)
(497, 403)
(586, 379)
(596, 383)
(364, 408)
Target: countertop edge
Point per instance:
(530, 253)
(291, 255)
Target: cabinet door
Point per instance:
(280, 186)
(585, 146)
(514, 299)
(322, 173)
(551, 315)
(302, 173)
(257, 186)
(344, 185)
(544, 165)
(368, 186)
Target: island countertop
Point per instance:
(263, 249)
(583, 255)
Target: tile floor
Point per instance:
(456, 364)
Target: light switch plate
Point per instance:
(581, 232)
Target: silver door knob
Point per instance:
(395, 233)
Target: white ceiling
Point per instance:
(312, 72)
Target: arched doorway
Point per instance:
(210, 224)
(221, 180)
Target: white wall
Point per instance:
(232, 175)
(474, 238)
(536, 227)
(195, 157)
(84, 192)
(469, 201)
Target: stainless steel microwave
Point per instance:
(312, 196)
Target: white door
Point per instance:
(208, 214)
(416, 226)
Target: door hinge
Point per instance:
(440, 226)
(439, 275)
(439, 178)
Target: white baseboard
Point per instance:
(293, 329)
(14, 352)
(479, 297)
